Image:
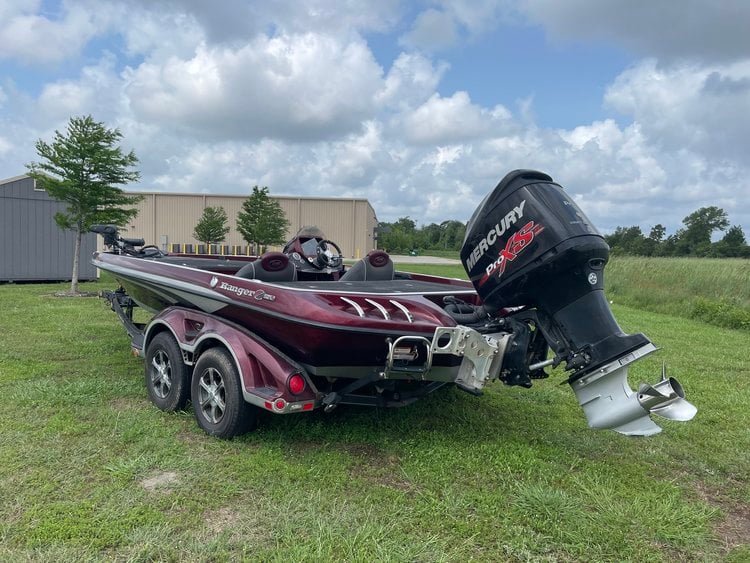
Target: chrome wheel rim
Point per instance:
(161, 374)
(212, 395)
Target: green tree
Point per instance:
(627, 240)
(83, 168)
(212, 226)
(733, 244)
(695, 239)
(657, 232)
(261, 220)
(431, 235)
(652, 245)
(452, 234)
(735, 236)
(406, 224)
(399, 236)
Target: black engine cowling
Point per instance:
(528, 244)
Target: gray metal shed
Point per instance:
(32, 246)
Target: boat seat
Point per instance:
(270, 267)
(376, 266)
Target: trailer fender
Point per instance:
(265, 371)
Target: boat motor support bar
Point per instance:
(482, 354)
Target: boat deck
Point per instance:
(397, 286)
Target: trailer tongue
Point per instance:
(529, 244)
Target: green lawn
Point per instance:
(90, 470)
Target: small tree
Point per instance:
(83, 168)
(261, 220)
(212, 226)
(733, 244)
(657, 232)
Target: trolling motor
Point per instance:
(528, 244)
(123, 245)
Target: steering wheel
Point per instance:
(322, 260)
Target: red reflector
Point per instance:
(296, 384)
(307, 406)
(268, 405)
(279, 404)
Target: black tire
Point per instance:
(167, 376)
(216, 391)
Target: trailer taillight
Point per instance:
(296, 384)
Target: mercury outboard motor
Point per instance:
(529, 245)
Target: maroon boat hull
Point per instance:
(326, 326)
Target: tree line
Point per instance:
(403, 235)
(693, 239)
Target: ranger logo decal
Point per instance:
(259, 295)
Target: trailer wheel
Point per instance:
(167, 376)
(219, 406)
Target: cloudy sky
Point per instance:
(639, 109)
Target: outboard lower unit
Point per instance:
(529, 246)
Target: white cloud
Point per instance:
(144, 34)
(433, 30)
(702, 108)
(338, 17)
(605, 134)
(232, 21)
(96, 91)
(33, 37)
(695, 29)
(438, 29)
(411, 79)
(356, 160)
(442, 157)
(5, 146)
(297, 87)
(480, 16)
(444, 120)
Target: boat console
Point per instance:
(314, 256)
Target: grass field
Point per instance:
(90, 470)
(711, 290)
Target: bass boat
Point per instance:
(299, 330)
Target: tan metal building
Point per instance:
(165, 219)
